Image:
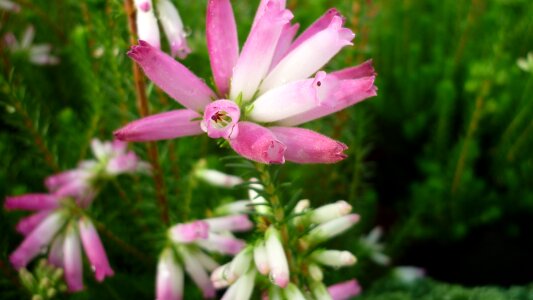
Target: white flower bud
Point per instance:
(334, 258)
(330, 212)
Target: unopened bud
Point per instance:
(330, 212)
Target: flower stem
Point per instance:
(278, 211)
(142, 105)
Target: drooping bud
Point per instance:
(279, 267)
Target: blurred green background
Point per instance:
(441, 159)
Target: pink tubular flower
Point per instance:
(189, 241)
(32, 202)
(73, 264)
(345, 290)
(37, 240)
(94, 250)
(273, 81)
(112, 159)
(169, 282)
(27, 224)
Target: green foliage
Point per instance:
(444, 150)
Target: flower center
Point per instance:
(220, 119)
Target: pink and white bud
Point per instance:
(261, 258)
(225, 244)
(101, 150)
(123, 163)
(221, 118)
(197, 273)
(293, 292)
(258, 51)
(365, 69)
(56, 255)
(205, 260)
(245, 285)
(301, 206)
(218, 178)
(173, 28)
(279, 267)
(31, 202)
(328, 230)
(329, 212)
(27, 224)
(310, 56)
(169, 282)
(37, 241)
(315, 272)
(259, 144)
(189, 232)
(235, 223)
(54, 182)
(94, 250)
(147, 28)
(222, 277)
(345, 290)
(334, 258)
(241, 263)
(289, 99)
(236, 207)
(73, 265)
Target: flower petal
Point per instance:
(305, 146)
(36, 241)
(222, 42)
(27, 224)
(169, 281)
(163, 126)
(258, 50)
(94, 250)
(31, 202)
(198, 274)
(310, 56)
(73, 264)
(365, 69)
(172, 77)
(289, 100)
(284, 43)
(258, 143)
(319, 25)
(347, 93)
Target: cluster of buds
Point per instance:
(187, 247)
(282, 252)
(45, 282)
(112, 159)
(170, 21)
(38, 54)
(59, 221)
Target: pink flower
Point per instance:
(272, 81)
(112, 159)
(94, 250)
(345, 290)
(189, 241)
